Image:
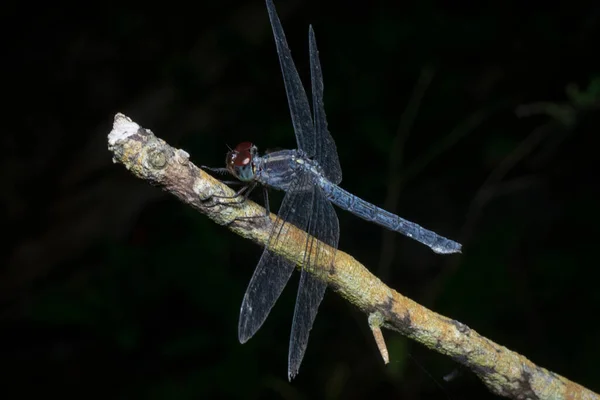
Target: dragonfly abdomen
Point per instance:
(372, 213)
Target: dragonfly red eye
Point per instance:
(239, 161)
(242, 154)
(244, 146)
(242, 159)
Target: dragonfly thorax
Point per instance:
(240, 161)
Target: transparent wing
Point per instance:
(325, 151)
(297, 100)
(323, 226)
(273, 271)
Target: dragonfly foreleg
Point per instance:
(221, 171)
(234, 183)
(240, 196)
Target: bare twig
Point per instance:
(504, 372)
(376, 321)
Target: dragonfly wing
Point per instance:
(273, 271)
(325, 150)
(323, 230)
(297, 100)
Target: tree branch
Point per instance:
(504, 372)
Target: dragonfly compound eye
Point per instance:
(240, 163)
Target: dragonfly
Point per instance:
(309, 176)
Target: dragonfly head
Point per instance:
(240, 161)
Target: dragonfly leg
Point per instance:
(267, 210)
(234, 183)
(240, 196)
(221, 171)
(266, 196)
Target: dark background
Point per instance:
(110, 288)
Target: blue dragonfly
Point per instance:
(309, 176)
